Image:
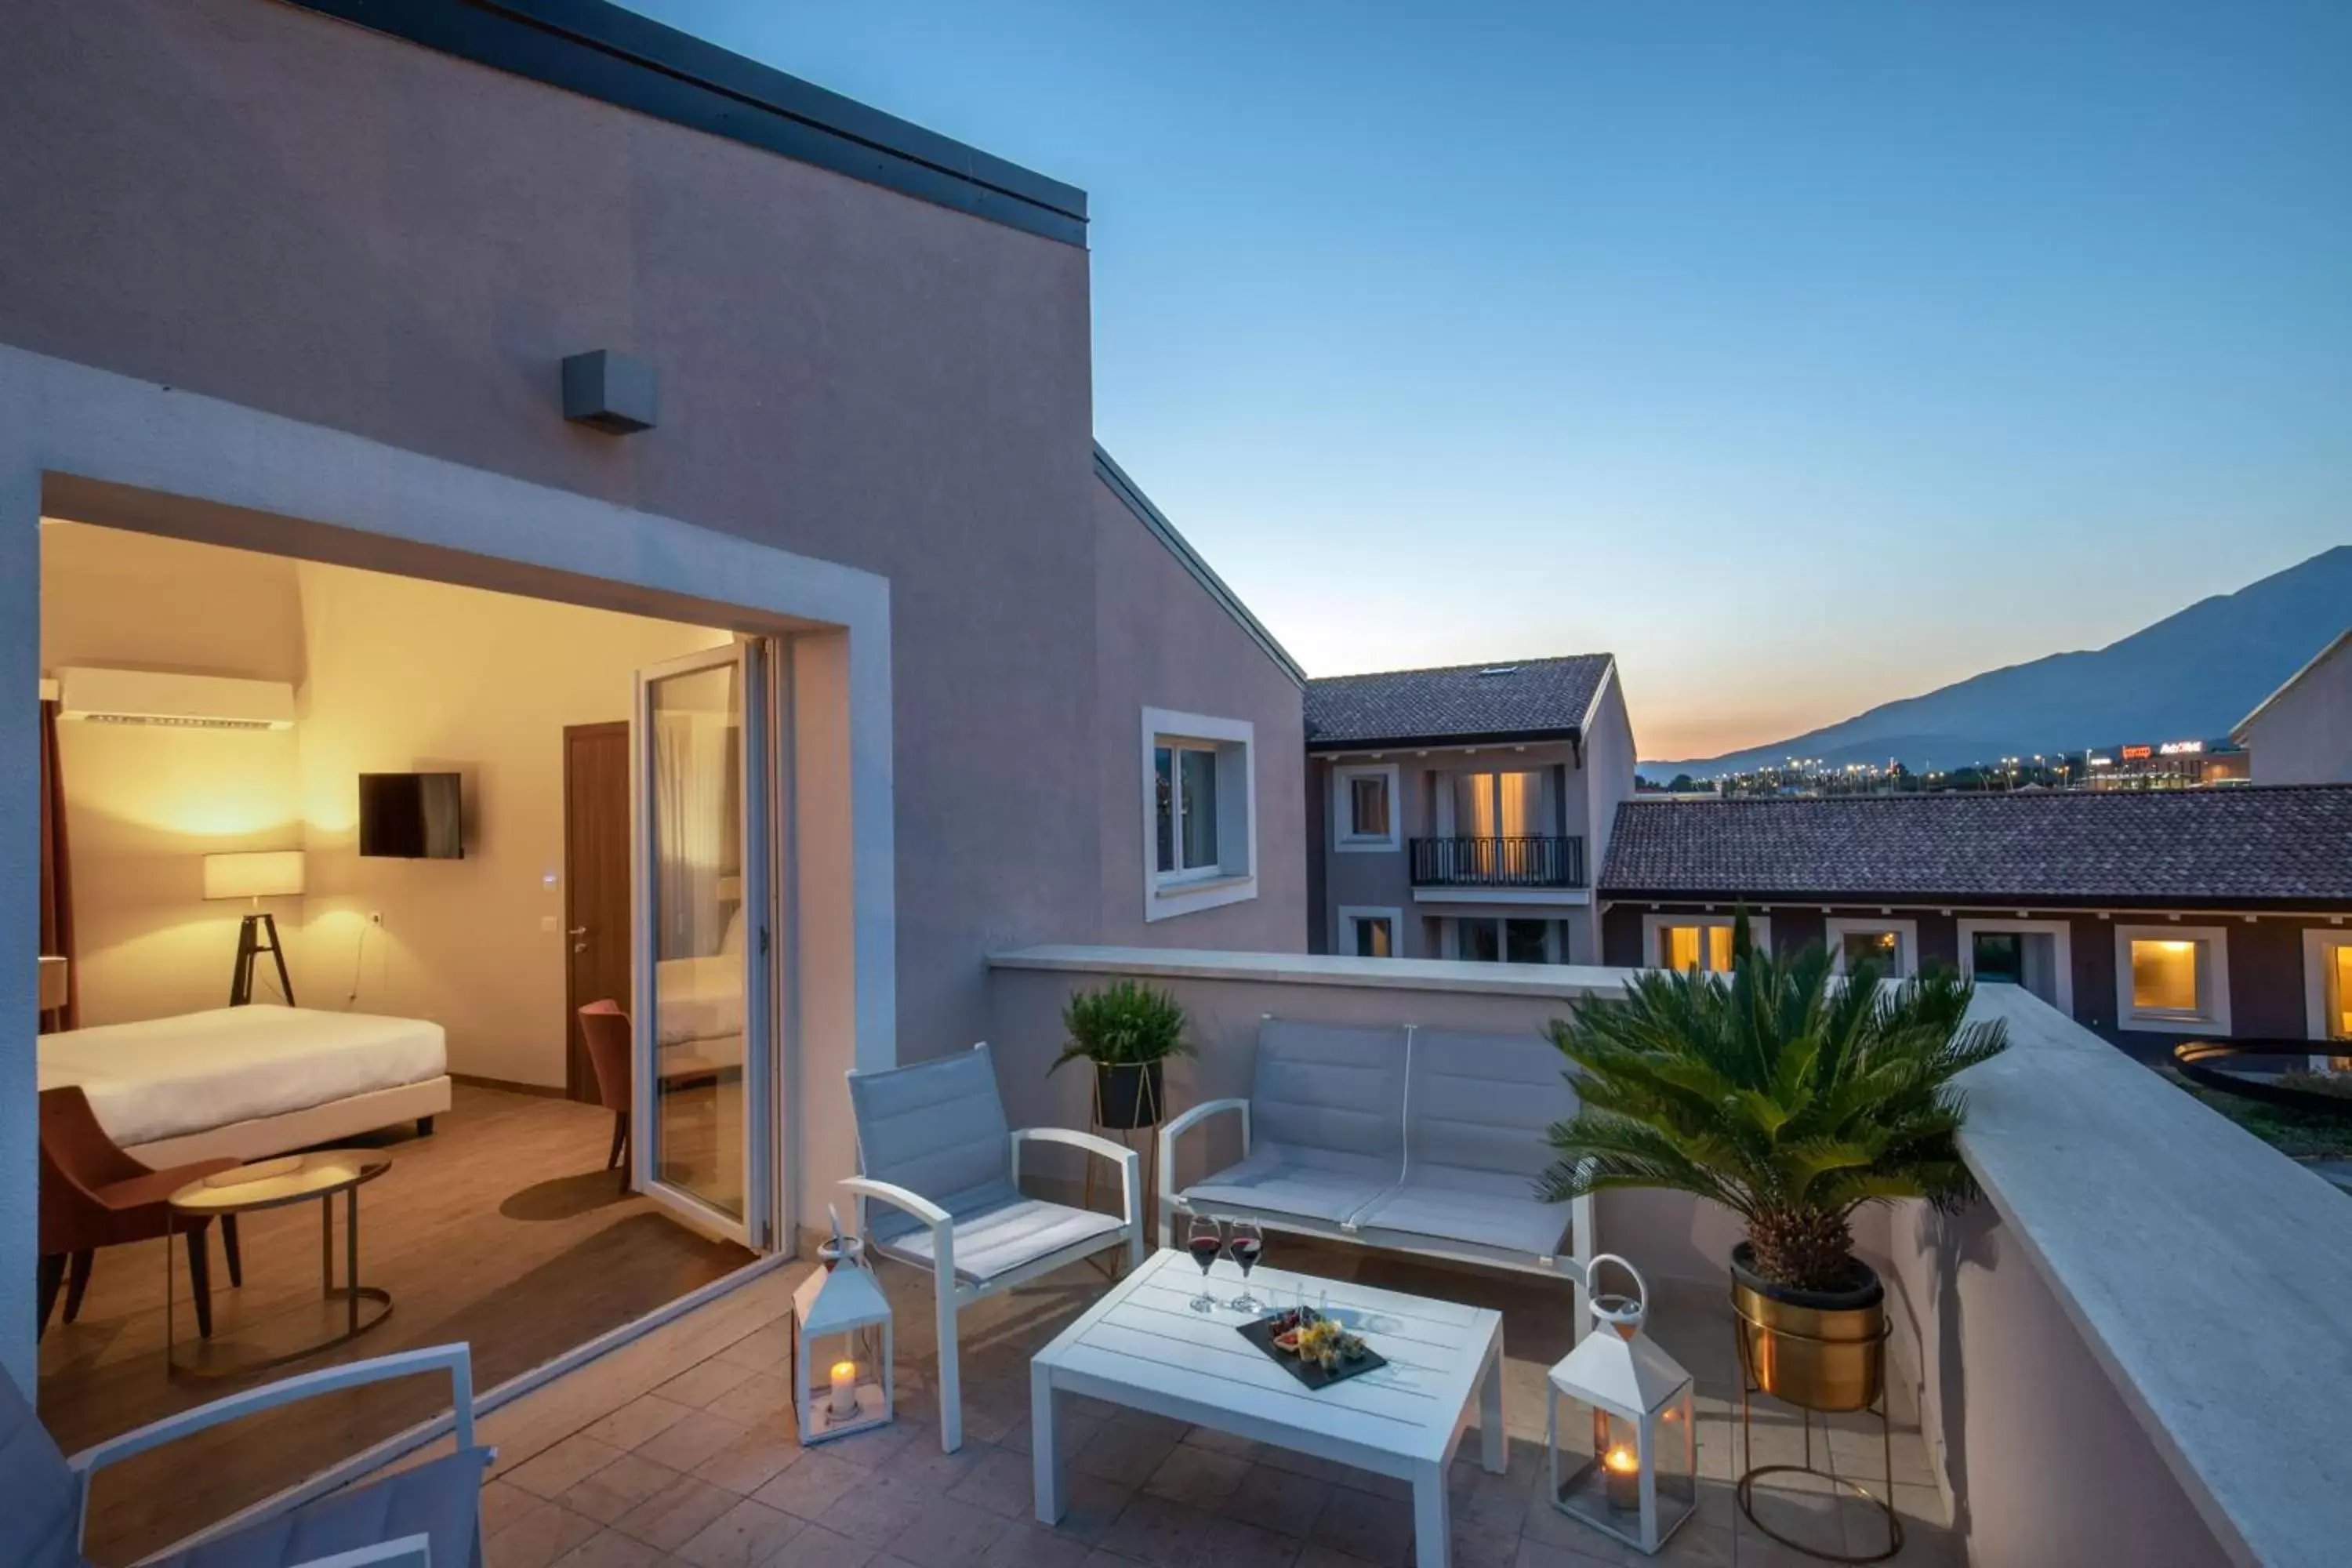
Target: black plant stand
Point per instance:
(1148, 1119)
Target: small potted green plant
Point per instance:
(1128, 1030)
(1792, 1099)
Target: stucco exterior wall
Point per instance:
(257, 203)
(2304, 736)
(1165, 643)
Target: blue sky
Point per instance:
(1805, 355)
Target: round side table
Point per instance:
(345, 1311)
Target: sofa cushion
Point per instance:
(1485, 1102)
(938, 1130)
(441, 1501)
(1311, 1184)
(37, 1488)
(999, 1240)
(1333, 1090)
(1477, 1208)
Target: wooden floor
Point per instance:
(503, 1229)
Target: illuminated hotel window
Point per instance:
(2164, 977)
(2339, 1005)
(2172, 978)
(1697, 942)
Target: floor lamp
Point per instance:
(256, 874)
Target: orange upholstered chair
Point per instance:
(606, 1029)
(93, 1196)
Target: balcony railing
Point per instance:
(1534, 860)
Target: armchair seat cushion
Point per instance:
(441, 1501)
(1477, 1208)
(999, 1240)
(1310, 1184)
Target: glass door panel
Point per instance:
(701, 1123)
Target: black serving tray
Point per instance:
(1261, 1334)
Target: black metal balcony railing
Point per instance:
(1530, 861)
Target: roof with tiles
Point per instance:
(1524, 699)
(2228, 845)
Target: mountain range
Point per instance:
(2191, 675)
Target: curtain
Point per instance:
(56, 878)
(691, 833)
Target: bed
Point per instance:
(245, 1082)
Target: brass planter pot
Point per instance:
(1820, 1350)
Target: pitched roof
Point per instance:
(2230, 846)
(2343, 639)
(1529, 699)
(1130, 495)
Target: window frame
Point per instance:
(1344, 837)
(2212, 1014)
(1760, 931)
(1235, 878)
(2063, 932)
(2320, 945)
(1835, 929)
(1547, 805)
(1348, 916)
(1554, 938)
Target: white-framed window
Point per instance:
(1200, 827)
(1367, 812)
(2036, 955)
(2327, 983)
(1370, 932)
(1506, 938)
(2173, 977)
(1891, 944)
(1697, 942)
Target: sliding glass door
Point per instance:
(703, 1122)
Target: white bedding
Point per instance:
(163, 1078)
(699, 999)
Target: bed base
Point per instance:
(266, 1135)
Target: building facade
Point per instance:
(304, 279)
(2302, 733)
(1460, 812)
(2152, 916)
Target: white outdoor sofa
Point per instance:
(933, 1145)
(1419, 1141)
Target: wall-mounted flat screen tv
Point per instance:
(411, 816)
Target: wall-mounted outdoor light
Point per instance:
(610, 391)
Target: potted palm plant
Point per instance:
(1128, 1030)
(1792, 1099)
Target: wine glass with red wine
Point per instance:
(1245, 1242)
(1204, 1239)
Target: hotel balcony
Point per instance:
(2128, 1353)
(1526, 861)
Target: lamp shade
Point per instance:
(255, 874)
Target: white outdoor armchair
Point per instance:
(426, 1517)
(935, 1152)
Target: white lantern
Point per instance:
(1625, 1451)
(841, 1371)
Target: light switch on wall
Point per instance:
(547, 924)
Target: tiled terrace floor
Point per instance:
(679, 1449)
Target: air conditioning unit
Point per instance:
(180, 701)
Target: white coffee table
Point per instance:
(1141, 1346)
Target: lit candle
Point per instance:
(845, 1389)
(1623, 1481)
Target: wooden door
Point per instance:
(596, 932)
